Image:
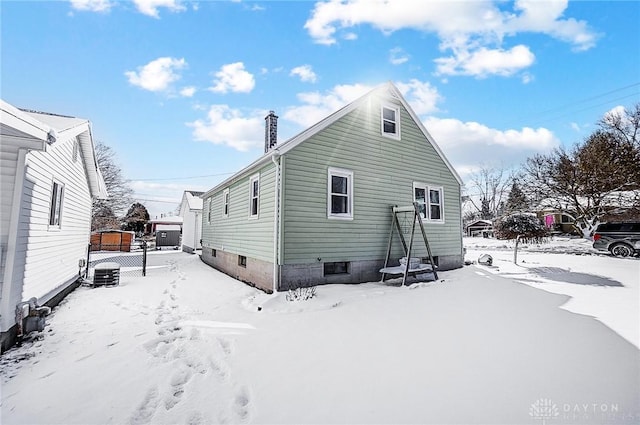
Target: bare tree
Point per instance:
(106, 211)
(587, 182)
(625, 124)
(488, 190)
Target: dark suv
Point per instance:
(621, 239)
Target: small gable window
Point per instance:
(74, 155)
(254, 193)
(390, 121)
(55, 213)
(225, 203)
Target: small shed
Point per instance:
(482, 228)
(168, 235)
(112, 240)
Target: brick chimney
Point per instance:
(270, 131)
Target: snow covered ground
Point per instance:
(189, 345)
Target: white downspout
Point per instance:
(195, 234)
(275, 157)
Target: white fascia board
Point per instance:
(18, 120)
(97, 185)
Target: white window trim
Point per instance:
(339, 172)
(226, 202)
(396, 109)
(59, 203)
(428, 188)
(254, 178)
(209, 210)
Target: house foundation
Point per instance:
(249, 270)
(259, 273)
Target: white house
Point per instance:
(50, 176)
(191, 213)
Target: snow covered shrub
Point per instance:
(301, 294)
(527, 226)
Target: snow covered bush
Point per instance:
(301, 294)
(521, 227)
(527, 226)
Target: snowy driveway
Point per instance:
(187, 344)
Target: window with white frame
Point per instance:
(340, 194)
(390, 121)
(55, 212)
(254, 194)
(435, 204)
(430, 201)
(209, 210)
(225, 203)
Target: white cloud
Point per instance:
(527, 78)
(484, 62)
(188, 91)
(92, 5)
(397, 56)
(150, 7)
(233, 77)
(467, 144)
(226, 126)
(545, 17)
(305, 72)
(466, 28)
(158, 74)
(318, 106)
(422, 96)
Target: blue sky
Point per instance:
(181, 89)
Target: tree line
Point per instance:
(596, 180)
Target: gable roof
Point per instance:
(43, 129)
(191, 199)
(281, 149)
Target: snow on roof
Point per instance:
(477, 222)
(52, 129)
(174, 219)
(59, 122)
(193, 199)
(164, 227)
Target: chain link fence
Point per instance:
(132, 258)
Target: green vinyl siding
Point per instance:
(384, 171)
(238, 233)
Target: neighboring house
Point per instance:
(482, 228)
(191, 213)
(50, 176)
(150, 227)
(317, 208)
(557, 221)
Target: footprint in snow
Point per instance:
(144, 413)
(241, 405)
